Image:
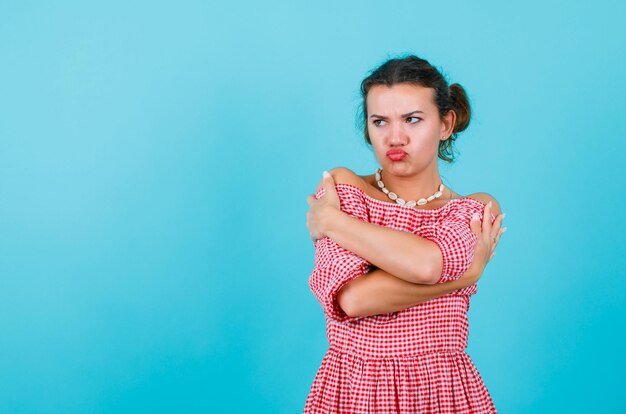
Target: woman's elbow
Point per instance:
(427, 275)
(347, 301)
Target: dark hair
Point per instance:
(412, 69)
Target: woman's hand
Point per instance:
(488, 236)
(321, 211)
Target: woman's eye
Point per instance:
(377, 122)
(413, 117)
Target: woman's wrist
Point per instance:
(473, 274)
(332, 220)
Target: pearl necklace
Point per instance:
(398, 200)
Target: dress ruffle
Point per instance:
(436, 382)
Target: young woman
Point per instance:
(397, 257)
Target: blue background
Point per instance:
(155, 159)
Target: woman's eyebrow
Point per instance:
(403, 115)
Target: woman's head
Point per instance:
(402, 85)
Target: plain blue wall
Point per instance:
(155, 160)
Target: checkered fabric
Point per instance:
(410, 361)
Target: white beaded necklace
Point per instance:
(398, 200)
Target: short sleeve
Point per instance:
(335, 266)
(454, 237)
(351, 200)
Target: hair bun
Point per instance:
(461, 106)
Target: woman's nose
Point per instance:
(397, 135)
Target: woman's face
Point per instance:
(404, 118)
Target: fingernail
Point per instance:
(489, 203)
(325, 174)
(503, 215)
(475, 216)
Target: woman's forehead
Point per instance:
(400, 98)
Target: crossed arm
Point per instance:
(405, 255)
(408, 278)
(379, 292)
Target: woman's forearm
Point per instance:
(378, 292)
(405, 255)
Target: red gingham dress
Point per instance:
(410, 361)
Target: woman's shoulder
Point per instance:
(344, 175)
(485, 198)
(349, 187)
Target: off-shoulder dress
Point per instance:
(410, 361)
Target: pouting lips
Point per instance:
(396, 155)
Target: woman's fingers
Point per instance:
(487, 219)
(489, 231)
(475, 224)
(492, 230)
(496, 229)
(499, 234)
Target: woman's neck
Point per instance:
(413, 187)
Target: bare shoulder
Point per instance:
(485, 198)
(343, 175)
